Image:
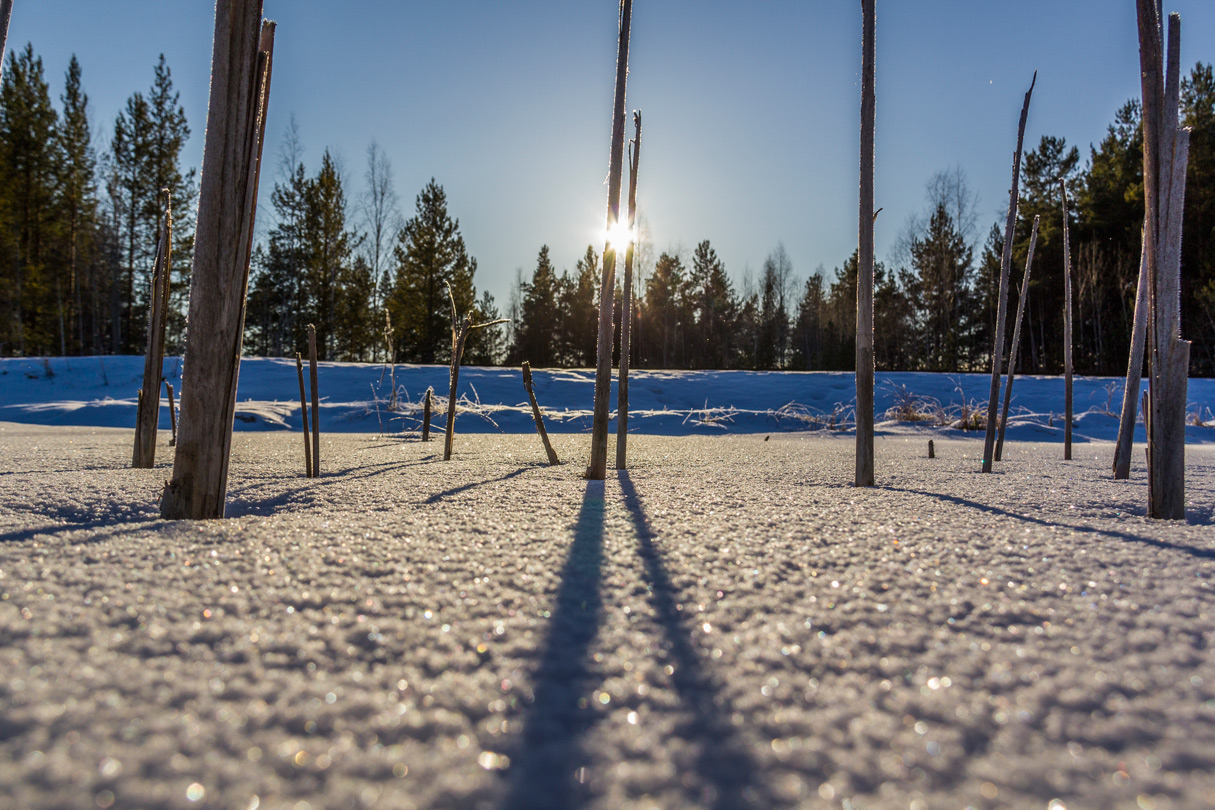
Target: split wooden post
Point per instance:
(597, 470)
(1014, 349)
(997, 352)
(460, 327)
(1067, 330)
(553, 461)
(426, 414)
(864, 277)
(172, 415)
(147, 417)
(316, 402)
(626, 304)
(1134, 371)
(236, 118)
(299, 368)
(1165, 156)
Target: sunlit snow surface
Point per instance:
(727, 624)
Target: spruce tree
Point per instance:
(77, 206)
(538, 314)
(340, 296)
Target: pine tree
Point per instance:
(714, 308)
(429, 255)
(661, 327)
(486, 347)
(340, 295)
(538, 311)
(77, 205)
(939, 292)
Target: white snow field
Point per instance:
(727, 624)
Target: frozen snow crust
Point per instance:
(729, 624)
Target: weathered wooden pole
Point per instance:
(597, 470)
(299, 368)
(6, 12)
(1015, 347)
(148, 415)
(1067, 329)
(172, 415)
(316, 402)
(993, 401)
(426, 414)
(553, 461)
(864, 277)
(626, 304)
(240, 81)
(460, 327)
(1134, 371)
(1165, 156)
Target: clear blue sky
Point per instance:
(750, 110)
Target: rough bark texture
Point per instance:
(148, 414)
(1165, 155)
(1134, 372)
(597, 470)
(626, 303)
(993, 401)
(1067, 331)
(864, 282)
(240, 70)
(316, 402)
(1015, 347)
(299, 368)
(553, 461)
(429, 403)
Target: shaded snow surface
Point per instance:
(729, 624)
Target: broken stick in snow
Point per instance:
(460, 327)
(997, 352)
(299, 368)
(426, 414)
(1014, 348)
(553, 461)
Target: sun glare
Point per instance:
(618, 236)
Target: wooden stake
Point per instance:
(1134, 371)
(240, 79)
(1002, 301)
(148, 414)
(1067, 330)
(932, 451)
(299, 368)
(597, 470)
(426, 415)
(626, 317)
(316, 403)
(1165, 156)
(1015, 349)
(864, 281)
(460, 327)
(172, 415)
(553, 461)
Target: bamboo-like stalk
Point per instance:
(626, 304)
(553, 461)
(460, 327)
(997, 351)
(316, 402)
(172, 415)
(148, 414)
(1014, 348)
(240, 79)
(1067, 329)
(864, 278)
(426, 407)
(1134, 371)
(1165, 156)
(299, 368)
(597, 470)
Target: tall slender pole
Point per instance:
(240, 75)
(597, 470)
(1134, 371)
(148, 416)
(864, 277)
(1067, 330)
(993, 401)
(1015, 348)
(316, 402)
(626, 304)
(299, 368)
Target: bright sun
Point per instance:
(618, 236)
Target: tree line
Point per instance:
(78, 235)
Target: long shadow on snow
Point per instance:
(548, 758)
(447, 493)
(723, 760)
(1201, 553)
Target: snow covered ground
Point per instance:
(726, 624)
(102, 391)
